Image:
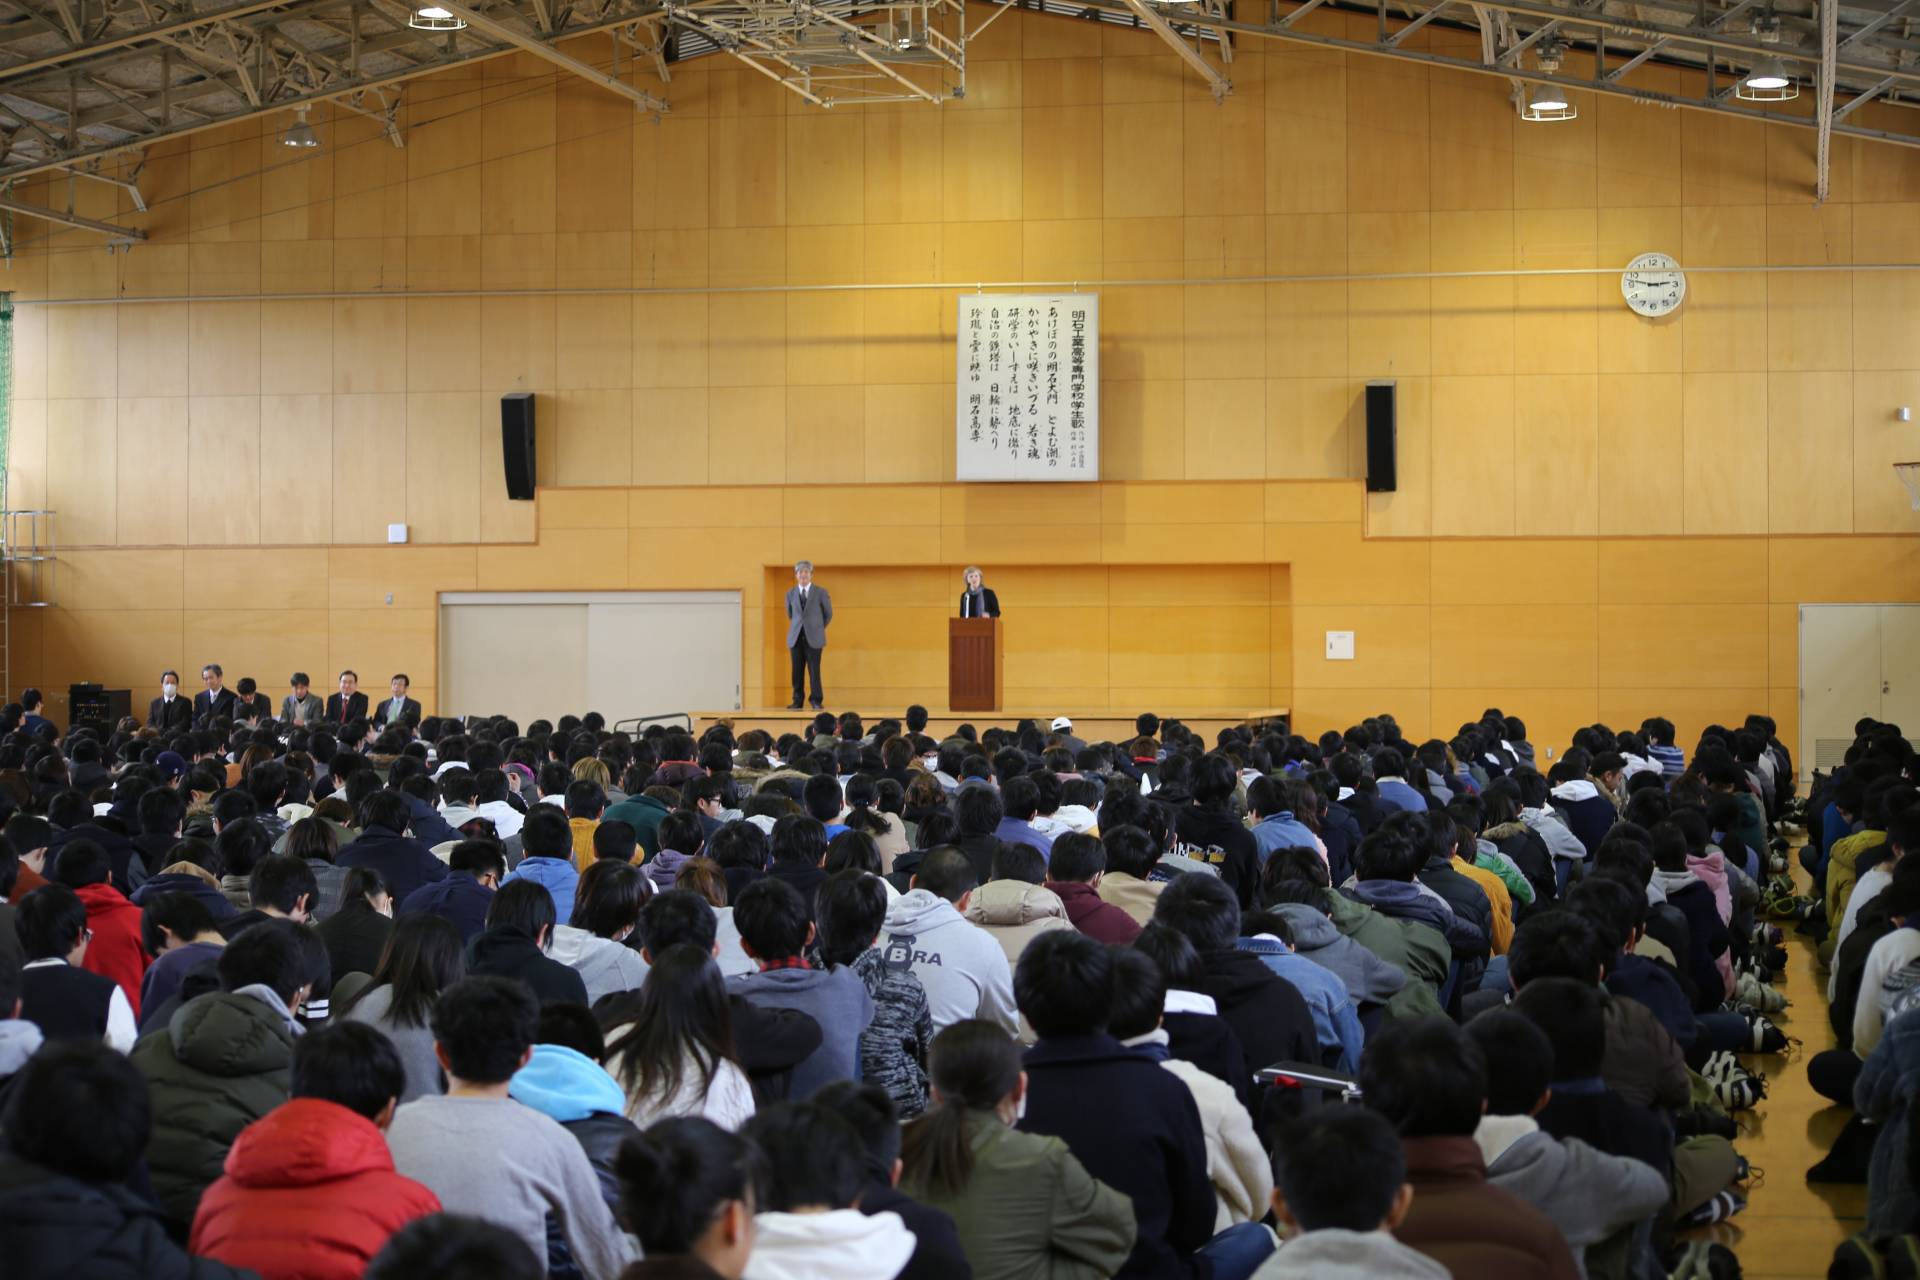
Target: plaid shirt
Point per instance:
(791, 962)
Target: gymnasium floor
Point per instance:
(1790, 1228)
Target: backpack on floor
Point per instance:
(1876, 1256)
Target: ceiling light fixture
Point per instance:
(1769, 81)
(434, 18)
(299, 135)
(1545, 103)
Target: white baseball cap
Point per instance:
(1061, 722)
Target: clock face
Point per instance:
(1653, 285)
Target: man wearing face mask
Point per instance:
(170, 713)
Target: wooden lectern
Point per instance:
(974, 679)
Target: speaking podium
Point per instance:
(974, 678)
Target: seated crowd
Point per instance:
(431, 997)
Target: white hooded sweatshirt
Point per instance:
(838, 1245)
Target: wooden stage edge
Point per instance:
(1100, 724)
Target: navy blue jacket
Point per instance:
(119, 850)
(1706, 938)
(1468, 900)
(459, 899)
(1590, 819)
(1340, 832)
(1075, 1088)
(405, 863)
(1654, 985)
(193, 886)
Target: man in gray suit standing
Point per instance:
(809, 610)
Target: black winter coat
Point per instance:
(1218, 838)
(507, 952)
(1268, 1016)
(1075, 1088)
(1468, 900)
(54, 1227)
(402, 861)
(937, 1254)
(1527, 851)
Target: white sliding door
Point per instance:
(545, 654)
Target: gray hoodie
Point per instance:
(1369, 979)
(1336, 1254)
(1587, 1194)
(963, 969)
(19, 1040)
(835, 998)
(604, 965)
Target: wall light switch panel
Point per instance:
(1339, 646)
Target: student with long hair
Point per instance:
(423, 958)
(864, 814)
(676, 1057)
(357, 933)
(1024, 1205)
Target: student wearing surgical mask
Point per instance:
(170, 713)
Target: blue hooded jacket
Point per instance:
(566, 1085)
(556, 875)
(1335, 1023)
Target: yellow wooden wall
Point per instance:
(1534, 407)
(1560, 631)
(1599, 515)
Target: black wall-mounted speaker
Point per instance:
(1382, 444)
(516, 443)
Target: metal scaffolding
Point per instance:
(84, 80)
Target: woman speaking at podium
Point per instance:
(978, 601)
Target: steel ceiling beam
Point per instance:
(106, 102)
(155, 32)
(116, 233)
(1220, 85)
(539, 48)
(1600, 87)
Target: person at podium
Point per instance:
(978, 600)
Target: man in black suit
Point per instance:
(170, 713)
(349, 703)
(399, 707)
(216, 701)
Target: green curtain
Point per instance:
(6, 394)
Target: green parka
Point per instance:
(222, 1062)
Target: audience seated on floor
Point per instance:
(486, 998)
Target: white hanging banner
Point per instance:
(1029, 387)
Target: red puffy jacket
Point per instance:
(309, 1194)
(116, 951)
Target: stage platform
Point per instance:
(1101, 724)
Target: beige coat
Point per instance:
(1016, 913)
(1131, 894)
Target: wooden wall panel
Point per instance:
(1566, 440)
(80, 437)
(223, 470)
(1810, 452)
(154, 464)
(1723, 467)
(1641, 470)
